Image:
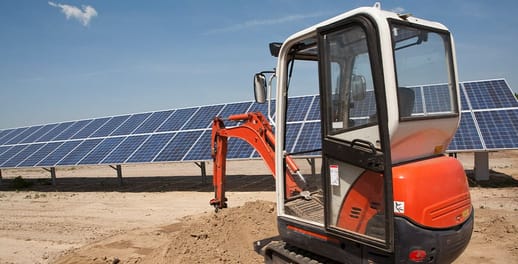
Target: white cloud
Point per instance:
(265, 22)
(83, 16)
(399, 10)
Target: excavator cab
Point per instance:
(389, 106)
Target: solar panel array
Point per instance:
(489, 122)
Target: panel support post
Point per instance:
(52, 171)
(481, 166)
(0, 175)
(311, 162)
(118, 168)
(201, 165)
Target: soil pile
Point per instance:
(223, 237)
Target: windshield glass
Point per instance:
(424, 71)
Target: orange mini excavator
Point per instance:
(389, 106)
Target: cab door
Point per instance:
(355, 145)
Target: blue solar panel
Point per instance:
(437, 98)
(36, 135)
(263, 108)
(499, 128)
(178, 147)
(490, 94)
(184, 134)
(239, 149)
(102, 150)
(4, 149)
(22, 155)
(79, 152)
(467, 136)
(203, 117)
(153, 122)
(177, 120)
(26, 133)
(58, 153)
(33, 159)
(5, 132)
(232, 109)
(418, 100)
(54, 132)
(121, 153)
(463, 101)
(13, 134)
(314, 112)
(86, 131)
(147, 151)
(292, 133)
(309, 138)
(131, 124)
(365, 107)
(110, 126)
(201, 151)
(72, 130)
(298, 108)
(10, 153)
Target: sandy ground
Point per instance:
(161, 215)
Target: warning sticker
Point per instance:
(399, 207)
(335, 177)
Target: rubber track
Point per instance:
(291, 254)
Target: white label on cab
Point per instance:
(335, 177)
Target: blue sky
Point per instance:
(70, 60)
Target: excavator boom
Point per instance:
(257, 131)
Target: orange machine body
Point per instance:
(419, 195)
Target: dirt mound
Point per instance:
(223, 237)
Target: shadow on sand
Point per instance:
(234, 183)
(496, 180)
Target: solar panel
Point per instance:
(178, 147)
(203, 117)
(102, 150)
(74, 156)
(110, 126)
(298, 108)
(12, 135)
(54, 132)
(435, 96)
(20, 138)
(22, 155)
(231, 109)
(310, 138)
(153, 122)
(490, 94)
(72, 130)
(314, 111)
(499, 129)
(489, 122)
(36, 135)
(93, 126)
(58, 153)
(38, 155)
(467, 136)
(130, 124)
(12, 151)
(238, 149)
(201, 151)
(4, 149)
(122, 152)
(177, 119)
(365, 107)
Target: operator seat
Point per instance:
(406, 98)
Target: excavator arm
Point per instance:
(257, 131)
